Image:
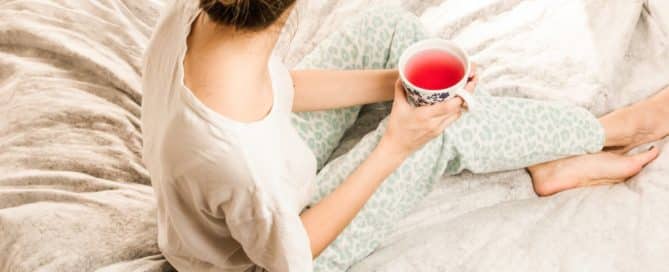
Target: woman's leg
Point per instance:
(588, 170)
(374, 40)
(626, 128)
(508, 133)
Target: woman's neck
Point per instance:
(241, 55)
(227, 68)
(249, 48)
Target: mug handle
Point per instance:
(472, 105)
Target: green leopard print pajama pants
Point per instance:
(505, 133)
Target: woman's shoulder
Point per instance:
(174, 17)
(176, 9)
(233, 95)
(163, 52)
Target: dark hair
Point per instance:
(245, 14)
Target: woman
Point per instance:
(235, 171)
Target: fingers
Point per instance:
(450, 120)
(473, 80)
(399, 89)
(400, 95)
(461, 101)
(447, 107)
(647, 157)
(471, 85)
(441, 124)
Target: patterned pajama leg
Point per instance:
(373, 40)
(506, 133)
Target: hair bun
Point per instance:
(207, 4)
(229, 2)
(246, 14)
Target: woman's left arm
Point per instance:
(330, 89)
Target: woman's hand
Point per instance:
(409, 128)
(472, 80)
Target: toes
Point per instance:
(633, 164)
(587, 170)
(647, 157)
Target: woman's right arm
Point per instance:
(408, 129)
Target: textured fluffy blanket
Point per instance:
(74, 195)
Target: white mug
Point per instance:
(421, 97)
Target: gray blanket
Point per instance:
(74, 195)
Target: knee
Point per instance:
(401, 17)
(392, 15)
(407, 29)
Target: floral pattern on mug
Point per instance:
(419, 99)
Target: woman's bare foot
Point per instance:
(638, 124)
(587, 170)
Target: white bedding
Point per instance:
(599, 54)
(74, 195)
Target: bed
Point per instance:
(74, 195)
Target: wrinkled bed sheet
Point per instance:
(74, 195)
